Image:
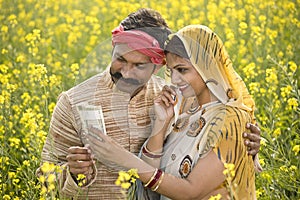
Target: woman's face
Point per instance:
(185, 76)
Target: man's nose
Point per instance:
(126, 70)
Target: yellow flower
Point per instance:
(43, 190)
(12, 20)
(217, 197)
(14, 142)
(271, 76)
(51, 187)
(229, 171)
(293, 168)
(42, 179)
(81, 178)
(125, 185)
(6, 197)
(21, 58)
(3, 68)
(133, 172)
(51, 178)
(284, 168)
(4, 29)
(47, 167)
(26, 163)
(259, 192)
(2, 99)
(292, 103)
(4, 51)
(243, 27)
(285, 91)
(262, 161)
(11, 175)
(16, 181)
(126, 179)
(277, 132)
(296, 149)
(293, 66)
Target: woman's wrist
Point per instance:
(150, 154)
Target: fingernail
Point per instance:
(246, 142)
(245, 134)
(248, 125)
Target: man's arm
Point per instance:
(63, 147)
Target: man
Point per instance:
(125, 91)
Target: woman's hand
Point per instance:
(164, 104)
(108, 151)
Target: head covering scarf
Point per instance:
(140, 41)
(207, 54)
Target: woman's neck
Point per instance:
(206, 97)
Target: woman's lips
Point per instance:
(182, 87)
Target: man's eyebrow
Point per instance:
(120, 56)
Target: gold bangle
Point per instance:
(159, 182)
(152, 177)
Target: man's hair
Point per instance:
(149, 21)
(144, 17)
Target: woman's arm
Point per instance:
(164, 112)
(206, 176)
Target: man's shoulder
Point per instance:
(86, 89)
(90, 83)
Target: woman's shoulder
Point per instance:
(230, 111)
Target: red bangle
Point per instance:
(149, 154)
(155, 179)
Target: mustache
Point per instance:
(119, 76)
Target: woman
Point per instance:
(186, 159)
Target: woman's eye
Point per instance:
(181, 70)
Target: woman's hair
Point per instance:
(175, 45)
(149, 21)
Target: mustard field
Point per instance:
(48, 46)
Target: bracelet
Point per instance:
(159, 182)
(152, 177)
(150, 154)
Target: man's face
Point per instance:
(130, 70)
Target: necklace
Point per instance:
(183, 121)
(198, 120)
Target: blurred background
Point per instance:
(48, 46)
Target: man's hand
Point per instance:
(80, 161)
(252, 139)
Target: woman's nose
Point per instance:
(175, 77)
